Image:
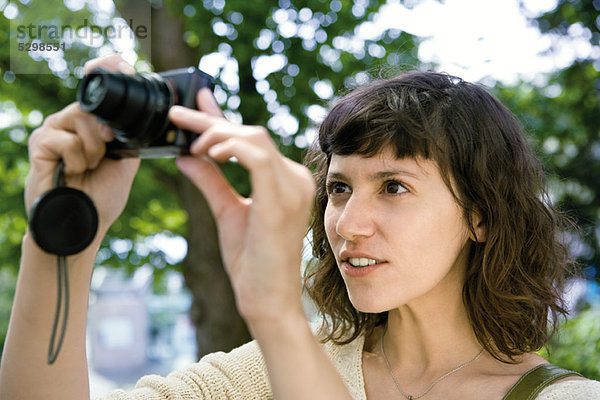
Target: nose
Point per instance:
(355, 219)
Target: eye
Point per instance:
(334, 188)
(395, 187)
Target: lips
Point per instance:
(351, 271)
(362, 261)
(359, 260)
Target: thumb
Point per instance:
(207, 177)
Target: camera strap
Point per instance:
(62, 303)
(63, 221)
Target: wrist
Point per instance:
(88, 255)
(288, 320)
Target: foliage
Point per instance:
(564, 116)
(310, 49)
(8, 281)
(277, 66)
(577, 345)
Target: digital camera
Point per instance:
(136, 107)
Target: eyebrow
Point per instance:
(377, 175)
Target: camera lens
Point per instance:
(135, 106)
(94, 91)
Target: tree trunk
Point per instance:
(214, 314)
(218, 324)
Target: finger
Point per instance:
(93, 133)
(224, 130)
(53, 145)
(192, 120)
(210, 180)
(68, 119)
(94, 147)
(110, 62)
(264, 166)
(206, 102)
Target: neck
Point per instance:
(430, 337)
(415, 380)
(432, 333)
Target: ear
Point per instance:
(478, 228)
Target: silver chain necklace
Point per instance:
(438, 380)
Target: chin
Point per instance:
(371, 305)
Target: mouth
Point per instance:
(361, 262)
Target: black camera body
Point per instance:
(136, 107)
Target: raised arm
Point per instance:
(79, 140)
(261, 242)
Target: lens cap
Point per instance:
(63, 221)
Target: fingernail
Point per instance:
(183, 163)
(196, 146)
(216, 149)
(107, 133)
(177, 112)
(125, 67)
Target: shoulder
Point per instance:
(347, 359)
(344, 355)
(571, 389)
(242, 367)
(239, 374)
(247, 366)
(248, 354)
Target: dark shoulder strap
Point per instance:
(532, 383)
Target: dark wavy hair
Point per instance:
(515, 278)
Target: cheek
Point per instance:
(330, 221)
(447, 234)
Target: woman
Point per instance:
(436, 259)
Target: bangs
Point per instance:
(367, 123)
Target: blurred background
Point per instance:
(160, 298)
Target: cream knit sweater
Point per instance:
(242, 375)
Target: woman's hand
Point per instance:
(261, 241)
(261, 237)
(79, 139)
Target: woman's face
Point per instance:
(395, 230)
